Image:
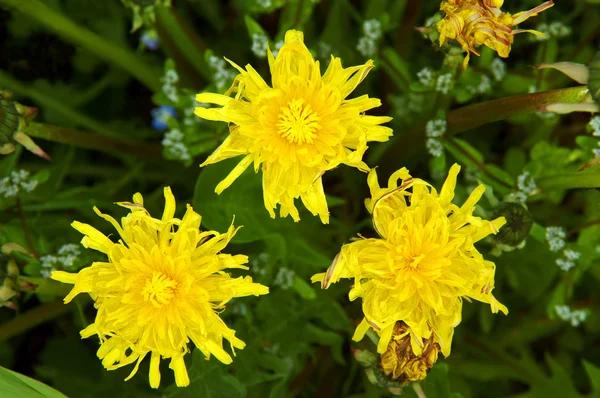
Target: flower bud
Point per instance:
(518, 223)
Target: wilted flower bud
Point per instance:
(13, 118)
(518, 223)
(400, 363)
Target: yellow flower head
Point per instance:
(475, 22)
(162, 286)
(422, 265)
(400, 363)
(297, 128)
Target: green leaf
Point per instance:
(15, 385)
(208, 379)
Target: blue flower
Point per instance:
(150, 40)
(161, 115)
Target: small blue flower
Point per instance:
(150, 39)
(161, 115)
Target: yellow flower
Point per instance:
(423, 264)
(475, 22)
(400, 363)
(163, 284)
(296, 129)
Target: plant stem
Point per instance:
(80, 36)
(418, 390)
(93, 141)
(184, 38)
(471, 116)
(32, 318)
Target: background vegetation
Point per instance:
(97, 86)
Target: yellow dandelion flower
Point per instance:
(297, 128)
(162, 286)
(400, 363)
(422, 265)
(475, 22)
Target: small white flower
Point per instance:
(258, 264)
(171, 77)
(171, 92)
(18, 181)
(577, 317)
(526, 183)
(372, 29)
(434, 147)
(436, 128)
(46, 273)
(563, 312)
(284, 278)
(425, 76)
(69, 248)
(558, 29)
(517, 197)
(366, 46)
(48, 261)
(444, 83)
(259, 45)
(594, 126)
(596, 152)
(498, 69)
(556, 238)
(532, 89)
(565, 265)
(485, 85)
(572, 254)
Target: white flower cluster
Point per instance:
(436, 128)
(367, 44)
(556, 238)
(434, 147)
(526, 185)
(444, 83)
(568, 262)
(258, 264)
(284, 278)
(174, 145)
(484, 86)
(64, 259)
(498, 69)
(259, 45)
(223, 77)
(575, 317)
(594, 126)
(425, 76)
(556, 29)
(169, 89)
(18, 181)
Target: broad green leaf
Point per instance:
(15, 385)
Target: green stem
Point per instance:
(184, 38)
(471, 116)
(48, 102)
(92, 141)
(32, 318)
(78, 35)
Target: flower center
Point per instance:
(159, 289)
(298, 122)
